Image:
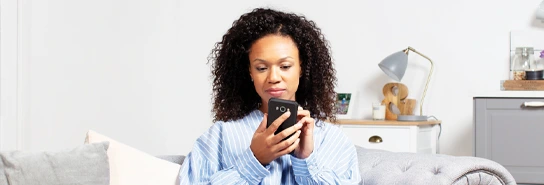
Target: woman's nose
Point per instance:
(274, 76)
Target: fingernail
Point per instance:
(299, 125)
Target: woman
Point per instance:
(268, 53)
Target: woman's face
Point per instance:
(274, 66)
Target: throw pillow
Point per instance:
(129, 166)
(84, 165)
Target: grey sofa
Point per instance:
(383, 167)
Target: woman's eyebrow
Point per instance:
(281, 59)
(259, 60)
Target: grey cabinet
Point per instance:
(512, 134)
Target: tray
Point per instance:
(522, 85)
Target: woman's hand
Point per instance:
(266, 146)
(306, 145)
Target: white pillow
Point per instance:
(129, 166)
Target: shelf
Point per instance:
(522, 85)
(385, 122)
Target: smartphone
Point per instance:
(276, 108)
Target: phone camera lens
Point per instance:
(282, 109)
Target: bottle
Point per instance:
(535, 70)
(522, 61)
(540, 63)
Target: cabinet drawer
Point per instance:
(511, 103)
(393, 138)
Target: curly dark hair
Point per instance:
(233, 92)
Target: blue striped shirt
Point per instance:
(222, 156)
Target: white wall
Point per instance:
(137, 71)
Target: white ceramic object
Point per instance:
(540, 12)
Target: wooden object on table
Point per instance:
(398, 99)
(522, 85)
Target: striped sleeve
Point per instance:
(203, 164)
(334, 162)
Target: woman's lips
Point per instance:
(275, 92)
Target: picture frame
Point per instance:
(345, 104)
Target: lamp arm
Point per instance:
(428, 77)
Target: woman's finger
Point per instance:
(262, 126)
(303, 113)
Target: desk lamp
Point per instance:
(394, 66)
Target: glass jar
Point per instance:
(378, 111)
(522, 61)
(540, 61)
(536, 73)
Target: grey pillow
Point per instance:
(85, 165)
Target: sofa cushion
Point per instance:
(129, 166)
(84, 165)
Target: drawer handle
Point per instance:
(375, 139)
(534, 104)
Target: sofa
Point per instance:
(102, 161)
(383, 167)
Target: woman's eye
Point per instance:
(285, 67)
(261, 68)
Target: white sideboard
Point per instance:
(416, 137)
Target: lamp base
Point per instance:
(412, 118)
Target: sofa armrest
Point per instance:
(384, 167)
